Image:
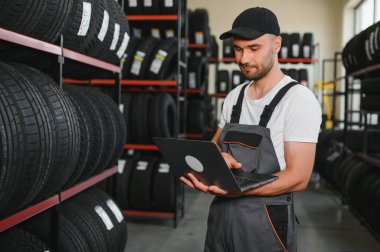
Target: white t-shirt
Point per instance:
(297, 117)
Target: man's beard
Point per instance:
(260, 74)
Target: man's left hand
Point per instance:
(194, 183)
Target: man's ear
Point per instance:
(277, 44)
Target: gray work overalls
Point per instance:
(252, 223)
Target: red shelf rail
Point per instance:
(123, 82)
(219, 94)
(149, 214)
(296, 60)
(221, 60)
(194, 136)
(373, 161)
(196, 46)
(88, 183)
(140, 147)
(54, 49)
(151, 17)
(365, 70)
(28, 212)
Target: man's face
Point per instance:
(256, 57)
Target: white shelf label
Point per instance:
(170, 33)
(138, 59)
(137, 33)
(236, 80)
(121, 165)
(155, 32)
(104, 216)
(223, 86)
(199, 37)
(131, 152)
(157, 62)
(142, 165)
(227, 49)
(115, 210)
(86, 19)
(306, 51)
(115, 39)
(132, 3)
(192, 80)
(296, 50)
(148, 3)
(169, 3)
(284, 52)
(164, 168)
(123, 46)
(104, 29)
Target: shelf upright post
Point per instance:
(58, 69)
(336, 58)
(346, 85)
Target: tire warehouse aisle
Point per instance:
(86, 86)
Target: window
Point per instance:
(366, 14)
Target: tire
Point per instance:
(142, 58)
(303, 76)
(97, 197)
(370, 86)
(238, 78)
(196, 72)
(285, 46)
(66, 129)
(18, 240)
(131, 50)
(163, 188)
(92, 118)
(293, 73)
(199, 27)
(140, 118)
(164, 61)
(214, 48)
(168, 7)
(126, 100)
(163, 116)
(223, 84)
(294, 45)
(123, 184)
(228, 49)
(307, 50)
(140, 196)
(196, 117)
(370, 103)
(38, 137)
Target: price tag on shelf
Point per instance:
(148, 3)
(142, 165)
(296, 50)
(192, 80)
(138, 59)
(164, 168)
(306, 51)
(155, 33)
(223, 86)
(199, 37)
(284, 52)
(236, 80)
(132, 3)
(169, 3)
(170, 33)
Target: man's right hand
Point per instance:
(231, 161)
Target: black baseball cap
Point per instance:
(253, 23)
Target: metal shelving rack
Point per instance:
(54, 201)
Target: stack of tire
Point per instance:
(48, 140)
(357, 179)
(225, 83)
(301, 75)
(149, 115)
(362, 50)
(160, 30)
(89, 222)
(200, 115)
(199, 33)
(147, 183)
(97, 28)
(370, 95)
(295, 47)
(151, 59)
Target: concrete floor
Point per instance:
(326, 226)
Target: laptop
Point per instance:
(204, 160)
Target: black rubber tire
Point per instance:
(285, 46)
(285, 71)
(163, 188)
(196, 121)
(307, 49)
(123, 183)
(293, 73)
(169, 7)
(140, 118)
(140, 196)
(303, 76)
(295, 45)
(150, 7)
(142, 58)
(164, 61)
(353, 178)
(199, 32)
(95, 197)
(370, 103)
(96, 130)
(126, 100)
(237, 78)
(130, 53)
(197, 72)
(228, 49)
(370, 86)
(71, 237)
(38, 137)
(223, 84)
(66, 128)
(214, 48)
(163, 116)
(355, 140)
(18, 240)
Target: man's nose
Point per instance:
(245, 57)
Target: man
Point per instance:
(272, 127)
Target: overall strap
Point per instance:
(268, 109)
(236, 109)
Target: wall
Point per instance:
(322, 17)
